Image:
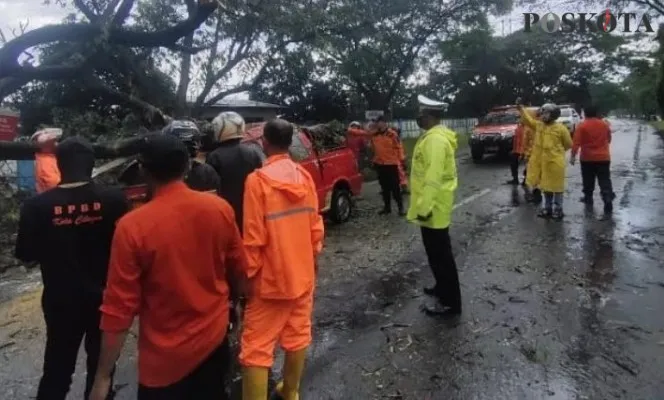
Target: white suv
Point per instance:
(570, 118)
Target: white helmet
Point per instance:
(46, 135)
(354, 123)
(228, 125)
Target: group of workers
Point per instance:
(175, 262)
(542, 143)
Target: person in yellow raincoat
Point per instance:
(433, 182)
(546, 166)
(533, 194)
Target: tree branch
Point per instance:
(89, 14)
(150, 111)
(85, 32)
(123, 12)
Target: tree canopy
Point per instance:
(134, 62)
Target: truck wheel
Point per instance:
(341, 206)
(477, 154)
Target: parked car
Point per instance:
(494, 132)
(569, 117)
(334, 170)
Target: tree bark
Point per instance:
(181, 106)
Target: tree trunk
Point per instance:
(181, 106)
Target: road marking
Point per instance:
(471, 198)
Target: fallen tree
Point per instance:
(88, 42)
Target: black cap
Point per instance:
(158, 148)
(74, 146)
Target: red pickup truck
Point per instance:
(334, 170)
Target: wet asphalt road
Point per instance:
(552, 310)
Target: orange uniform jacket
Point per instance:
(387, 148)
(47, 174)
(593, 138)
(169, 262)
(518, 145)
(283, 231)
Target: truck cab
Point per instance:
(494, 133)
(333, 168)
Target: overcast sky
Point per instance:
(13, 12)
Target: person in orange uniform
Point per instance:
(47, 174)
(357, 139)
(283, 235)
(403, 178)
(170, 260)
(388, 155)
(593, 140)
(518, 154)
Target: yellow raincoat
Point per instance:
(546, 163)
(433, 178)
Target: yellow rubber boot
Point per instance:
(289, 388)
(254, 383)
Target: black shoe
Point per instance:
(402, 213)
(385, 211)
(586, 200)
(545, 213)
(557, 215)
(512, 182)
(523, 183)
(608, 208)
(431, 291)
(441, 311)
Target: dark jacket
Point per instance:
(234, 161)
(202, 177)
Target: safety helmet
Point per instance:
(187, 132)
(354, 124)
(228, 125)
(552, 109)
(46, 135)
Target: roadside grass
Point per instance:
(658, 125)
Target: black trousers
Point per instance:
(438, 246)
(514, 167)
(388, 178)
(599, 171)
(206, 382)
(67, 324)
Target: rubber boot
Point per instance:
(289, 388)
(254, 383)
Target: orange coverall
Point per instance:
(387, 148)
(283, 235)
(403, 179)
(47, 174)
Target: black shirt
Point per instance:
(234, 161)
(68, 231)
(202, 177)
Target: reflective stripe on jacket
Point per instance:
(283, 230)
(433, 178)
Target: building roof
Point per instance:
(242, 103)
